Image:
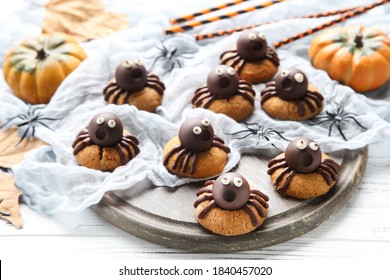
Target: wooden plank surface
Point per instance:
(360, 230)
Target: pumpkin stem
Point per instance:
(41, 54)
(359, 40)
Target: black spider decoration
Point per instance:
(339, 117)
(2, 213)
(31, 119)
(259, 131)
(171, 57)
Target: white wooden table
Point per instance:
(360, 230)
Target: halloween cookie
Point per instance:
(104, 145)
(228, 206)
(252, 58)
(303, 171)
(133, 85)
(227, 94)
(291, 97)
(196, 152)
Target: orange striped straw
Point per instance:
(340, 18)
(205, 11)
(219, 33)
(193, 23)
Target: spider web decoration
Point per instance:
(30, 120)
(171, 57)
(338, 117)
(259, 131)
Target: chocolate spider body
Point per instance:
(251, 46)
(131, 76)
(231, 191)
(196, 136)
(303, 156)
(223, 83)
(292, 85)
(106, 130)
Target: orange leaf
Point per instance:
(83, 19)
(11, 154)
(9, 201)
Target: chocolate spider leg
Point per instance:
(126, 146)
(207, 209)
(208, 102)
(326, 175)
(316, 97)
(130, 138)
(234, 52)
(193, 164)
(288, 179)
(200, 95)
(171, 153)
(203, 198)
(247, 96)
(277, 166)
(186, 160)
(271, 55)
(267, 95)
(178, 163)
(259, 199)
(120, 153)
(330, 171)
(209, 182)
(221, 146)
(257, 206)
(275, 160)
(301, 107)
(252, 215)
(246, 87)
(199, 101)
(81, 145)
(205, 189)
(334, 165)
(156, 86)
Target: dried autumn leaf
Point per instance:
(83, 19)
(11, 154)
(9, 201)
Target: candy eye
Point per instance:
(252, 36)
(261, 35)
(128, 64)
(111, 123)
(237, 182)
(225, 180)
(138, 62)
(299, 77)
(100, 120)
(313, 146)
(284, 73)
(231, 71)
(301, 145)
(206, 122)
(219, 71)
(197, 130)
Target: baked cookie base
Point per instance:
(236, 107)
(228, 222)
(303, 186)
(209, 163)
(281, 109)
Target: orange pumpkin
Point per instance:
(355, 56)
(36, 67)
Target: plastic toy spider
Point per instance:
(231, 191)
(337, 118)
(31, 119)
(259, 131)
(171, 57)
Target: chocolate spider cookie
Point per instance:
(291, 97)
(228, 206)
(252, 58)
(196, 152)
(303, 171)
(104, 145)
(133, 85)
(225, 93)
